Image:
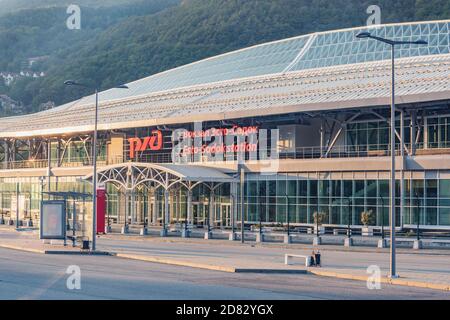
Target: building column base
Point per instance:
(417, 245)
(348, 242)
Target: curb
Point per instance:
(12, 247)
(207, 266)
(175, 262)
(82, 253)
(400, 282)
(56, 252)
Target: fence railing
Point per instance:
(341, 151)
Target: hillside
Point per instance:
(9, 6)
(132, 44)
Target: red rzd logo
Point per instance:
(154, 143)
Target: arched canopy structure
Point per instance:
(130, 175)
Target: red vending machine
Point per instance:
(101, 209)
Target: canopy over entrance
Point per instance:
(130, 175)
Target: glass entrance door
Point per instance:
(225, 215)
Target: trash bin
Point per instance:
(317, 258)
(85, 245)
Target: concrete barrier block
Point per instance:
(382, 243)
(208, 235)
(417, 245)
(348, 242)
(287, 239)
(317, 241)
(143, 232)
(232, 236)
(163, 232)
(259, 237)
(185, 233)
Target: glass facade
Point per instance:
(269, 201)
(438, 132)
(373, 135)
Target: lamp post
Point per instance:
(382, 217)
(392, 43)
(349, 230)
(418, 216)
(94, 159)
(287, 215)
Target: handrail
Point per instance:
(302, 153)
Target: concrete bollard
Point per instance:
(259, 237)
(29, 223)
(417, 245)
(232, 236)
(382, 243)
(287, 239)
(208, 235)
(124, 229)
(317, 241)
(163, 232)
(185, 233)
(348, 242)
(143, 232)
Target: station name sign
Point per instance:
(236, 139)
(224, 140)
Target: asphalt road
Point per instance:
(35, 276)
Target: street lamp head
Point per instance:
(363, 35)
(421, 42)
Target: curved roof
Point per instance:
(293, 74)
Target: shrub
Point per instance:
(367, 218)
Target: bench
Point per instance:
(288, 257)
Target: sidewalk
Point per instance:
(427, 268)
(27, 239)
